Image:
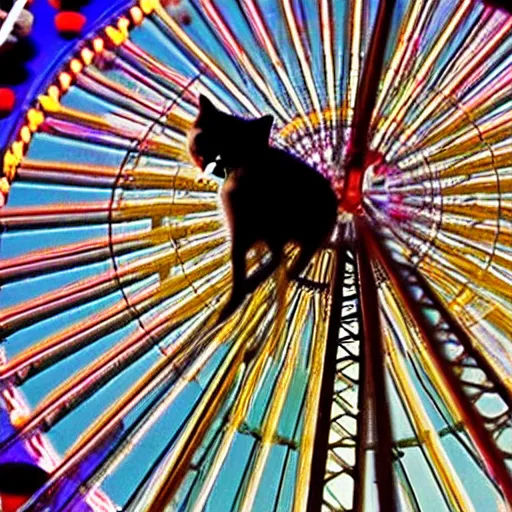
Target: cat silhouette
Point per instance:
(269, 196)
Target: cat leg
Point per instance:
(238, 289)
(242, 285)
(264, 272)
(301, 262)
(307, 252)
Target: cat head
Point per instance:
(237, 141)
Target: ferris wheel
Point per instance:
(389, 385)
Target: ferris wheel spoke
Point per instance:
(398, 69)
(78, 388)
(49, 351)
(170, 27)
(157, 389)
(262, 32)
(147, 103)
(92, 288)
(94, 250)
(431, 109)
(457, 361)
(115, 264)
(272, 419)
(240, 417)
(175, 464)
(405, 99)
(242, 57)
(426, 435)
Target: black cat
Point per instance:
(268, 195)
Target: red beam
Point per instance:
(465, 341)
(481, 437)
(365, 103)
(375, 372)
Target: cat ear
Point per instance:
(263, 127)
(206, 106)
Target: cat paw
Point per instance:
(229, 309)
(225, 314)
